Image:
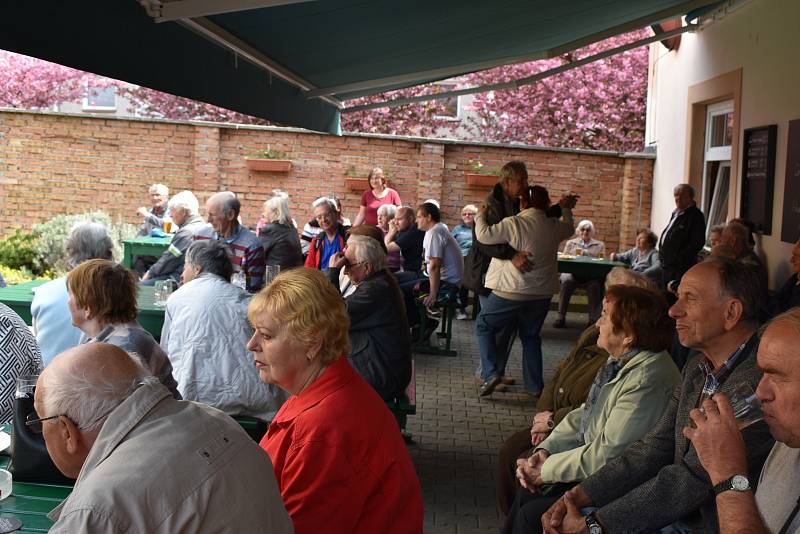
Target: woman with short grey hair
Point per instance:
(205, 336)
(52, 324)
(279, 236)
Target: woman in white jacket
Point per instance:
(205, 336)
(521, 296)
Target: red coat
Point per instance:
(340, 461)
(315, 249)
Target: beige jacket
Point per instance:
(537, 234)
(162, 465)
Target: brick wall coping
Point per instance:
(411, 139)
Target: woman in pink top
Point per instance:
(374, 197)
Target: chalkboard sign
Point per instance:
(790, 229)
(758, 176)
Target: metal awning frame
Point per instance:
(516, 84)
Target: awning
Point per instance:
(294, 62)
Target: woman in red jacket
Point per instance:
(339, 458)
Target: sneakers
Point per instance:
(462, 315)
(561, 322)
(488, 386)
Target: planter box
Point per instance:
(482, 180)
(357, 184)
(268, 165)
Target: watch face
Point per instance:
(740, 483)
(595, 529)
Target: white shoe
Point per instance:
(462, 316)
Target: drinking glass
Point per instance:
(26, 385)
(167, 226)
(163, 289)
(5, 484)
(579, 252)
(270, 273)
(746, 406)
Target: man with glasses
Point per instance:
(378, 326)
(144, 461)
(330, 240)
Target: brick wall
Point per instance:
(57, 163)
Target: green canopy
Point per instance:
(294, 62)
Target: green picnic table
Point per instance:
(19, 298)
(587, 267)
(31, 502)
(143, 246)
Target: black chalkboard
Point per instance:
(790, 228)
(758, 176)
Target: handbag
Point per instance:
(30, 461)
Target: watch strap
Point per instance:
(727, 484)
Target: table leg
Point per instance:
(127, 256)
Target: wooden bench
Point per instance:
(406, 405)
(448, 306)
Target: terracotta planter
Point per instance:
(482, 180)
(357, 184)
(268, 165)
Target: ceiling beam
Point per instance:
(189, 9)
(456, 70)
(515, 84)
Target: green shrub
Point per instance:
(17, 250)
(16, 276)
(52, 236)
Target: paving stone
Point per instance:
(457, 434)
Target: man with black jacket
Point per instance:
(682, 239)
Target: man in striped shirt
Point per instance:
(244, 248)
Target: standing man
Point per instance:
(775, 505)
(502, 202)
(244, 248)
(658, 481)
(151, 218)
(682, 239)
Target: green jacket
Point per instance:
(627, 408)
(570, 385)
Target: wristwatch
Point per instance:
(593, 524)
(736, 483)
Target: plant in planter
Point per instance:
(480, 175)
(354, 182)
(268, 160)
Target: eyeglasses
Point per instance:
(349, 265)
(324, 216)
(35, 423)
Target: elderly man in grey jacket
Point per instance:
(205, 336)
(144, 461)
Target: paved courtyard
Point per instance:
(457, 436)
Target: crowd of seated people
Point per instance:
(331, 335)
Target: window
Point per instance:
(100, 99)
(452, 104)
(717, 162)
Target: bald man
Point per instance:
(144, 461)
(244, 248)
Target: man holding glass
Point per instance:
(775, 505)
(658, 482)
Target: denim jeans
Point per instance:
(504, 341)
(494, 316)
